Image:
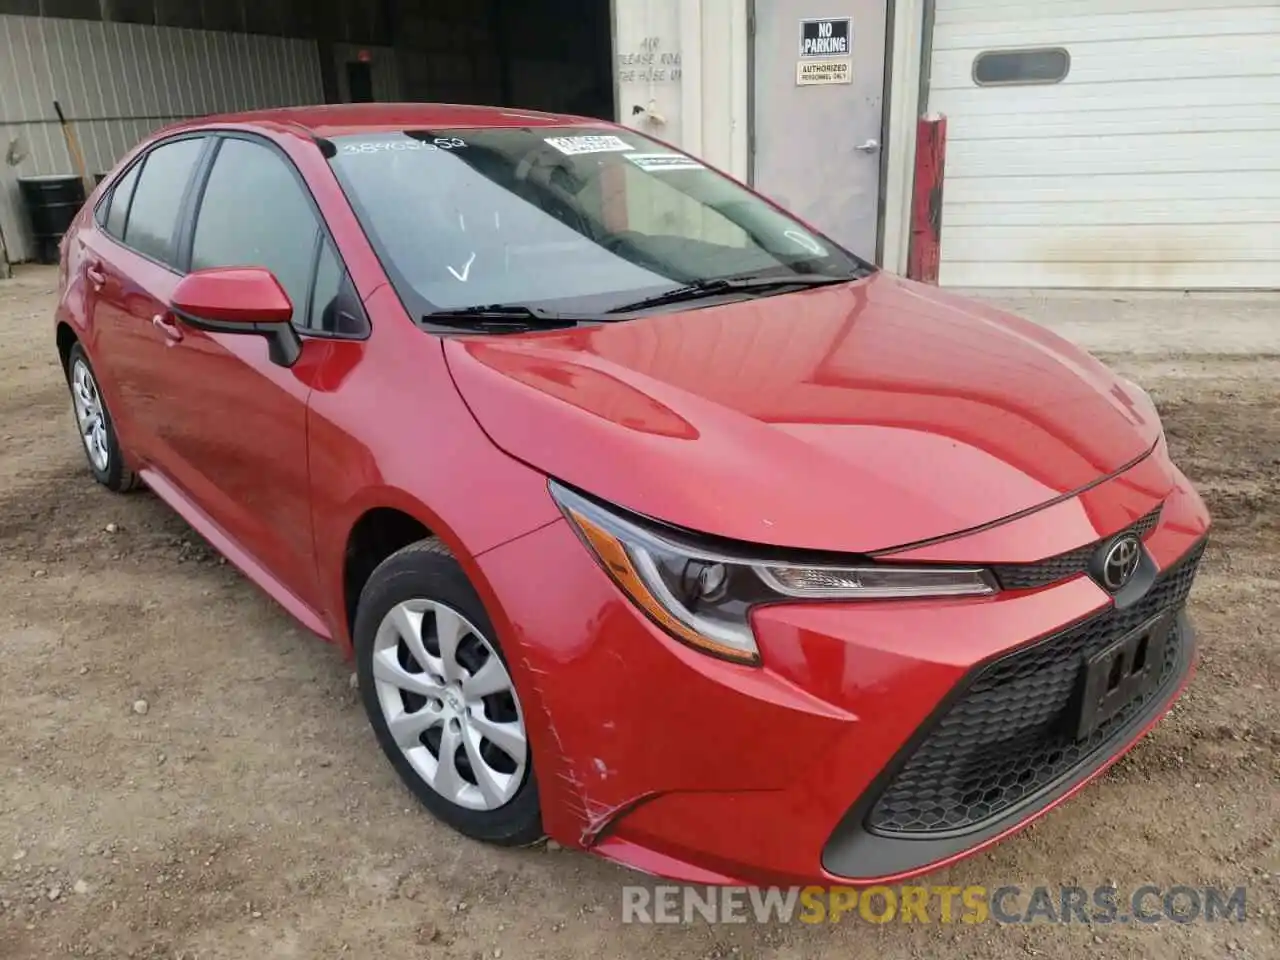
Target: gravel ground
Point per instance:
(186, 774)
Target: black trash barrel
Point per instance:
(52, 202)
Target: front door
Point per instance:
(235, 422)
(819, 85)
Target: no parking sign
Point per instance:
(825, 38)
(825, 48)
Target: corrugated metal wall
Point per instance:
(120, 81)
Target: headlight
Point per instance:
(703, 595)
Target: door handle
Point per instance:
(871, 146)
(172, 332)
(96, 275)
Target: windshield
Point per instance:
(562, 218)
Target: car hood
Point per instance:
(852, 418)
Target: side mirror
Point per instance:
(240, 300)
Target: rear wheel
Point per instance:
(97, 431)
(440, 698)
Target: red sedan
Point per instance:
(655, 521)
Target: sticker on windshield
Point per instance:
(593, 144)
(663, 161)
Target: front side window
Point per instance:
(566, 218)
(254, 213)
(157, 199)
(335, 305)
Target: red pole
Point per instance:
(925, 251)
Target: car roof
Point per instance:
(335, 120)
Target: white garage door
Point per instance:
(1154, 162)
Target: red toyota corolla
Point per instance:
(656, 522)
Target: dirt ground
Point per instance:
(248, 814)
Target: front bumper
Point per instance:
(867, 845)
(678, 764)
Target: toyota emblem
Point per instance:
(1120, 562)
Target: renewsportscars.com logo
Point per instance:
(1007, 904)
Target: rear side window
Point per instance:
(255, 214)
(118, 208)
(157, 199)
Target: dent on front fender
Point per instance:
(619, 713)
(544, 648)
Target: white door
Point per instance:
(1153, 162)
(818, 85)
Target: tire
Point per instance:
(422, 590)
(94, 424)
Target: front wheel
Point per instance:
(440, 698)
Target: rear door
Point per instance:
(235, 422)
(130, 263)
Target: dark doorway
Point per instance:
(554, 55)
(359, 82)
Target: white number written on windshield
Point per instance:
(395, 146)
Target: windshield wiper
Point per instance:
(508, 317)
(714, 288)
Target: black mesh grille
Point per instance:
(1007, 737)
(1027, 576)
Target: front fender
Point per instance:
(393, 432)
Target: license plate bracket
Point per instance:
(1121, 672)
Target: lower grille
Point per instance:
(1009, 734)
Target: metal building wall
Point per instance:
(117, 82)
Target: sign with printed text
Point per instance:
(826, 39)
(814, 72)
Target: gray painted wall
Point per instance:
(117, 82)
